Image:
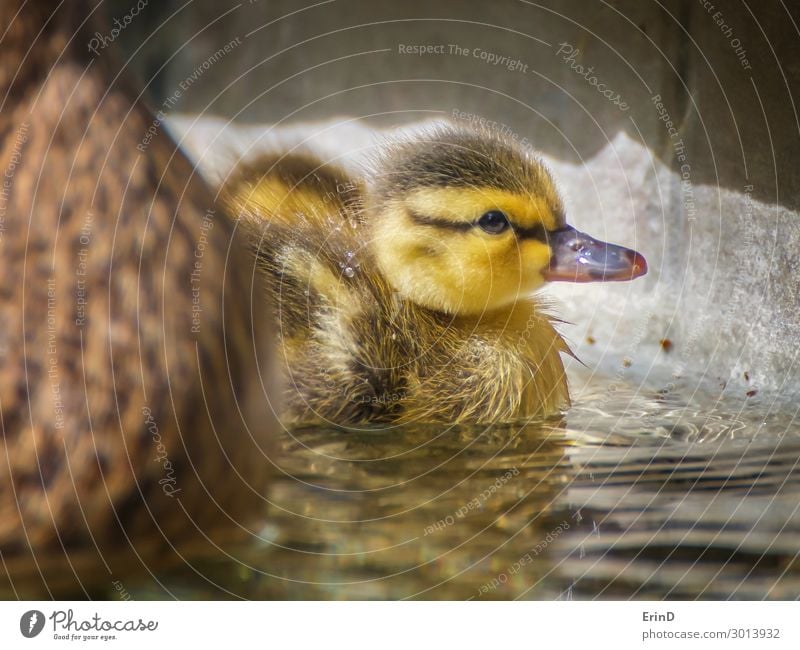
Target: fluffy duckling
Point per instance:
(406, 295)
(131, 403)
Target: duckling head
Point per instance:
(465, 221)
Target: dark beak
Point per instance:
(577, 257)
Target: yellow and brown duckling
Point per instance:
(406, 295)
(131, 403)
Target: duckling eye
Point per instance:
(494, 222)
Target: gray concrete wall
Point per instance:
(713, 204)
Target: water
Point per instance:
(632, 494)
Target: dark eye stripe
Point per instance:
(425, 220)
(534, 232)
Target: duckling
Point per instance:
(131, 399)
(406, 294)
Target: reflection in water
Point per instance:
(630, 495)
(415, 514)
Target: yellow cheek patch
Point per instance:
(467, 204)
(535, 255)
(519, 262)
(454, 271)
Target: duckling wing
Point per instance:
(304, 223)
(291, 188)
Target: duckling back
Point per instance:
(134, 415)
(304, 222)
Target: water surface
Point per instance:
(635, 492)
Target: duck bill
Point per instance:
(577, 257)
